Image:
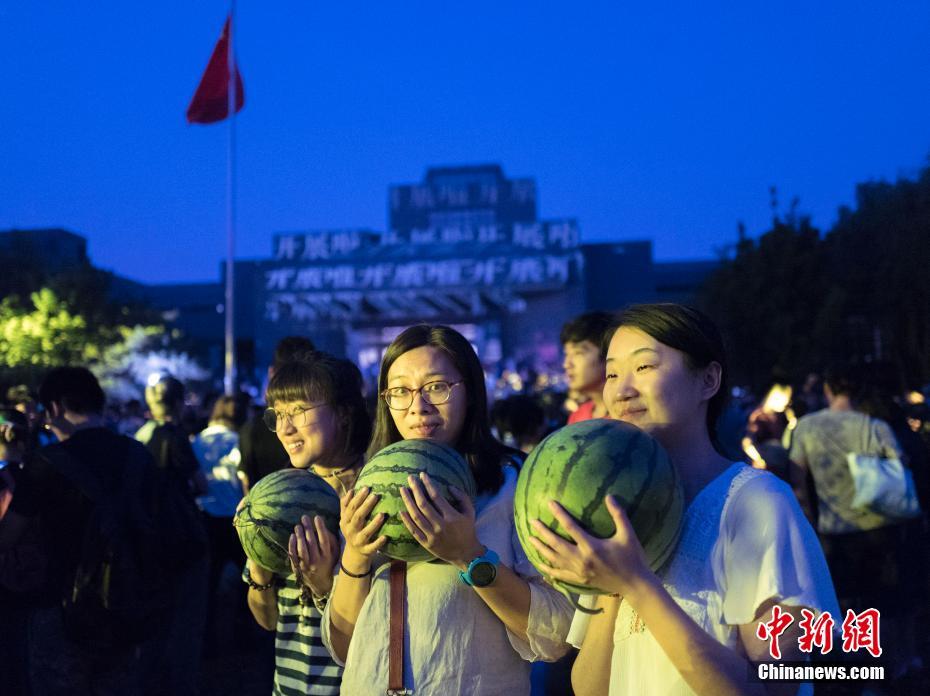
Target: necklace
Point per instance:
(333, 474)
(341, 486)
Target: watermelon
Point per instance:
(579, 465)
(387, 471)
(269, 513)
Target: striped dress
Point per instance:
(303, 667)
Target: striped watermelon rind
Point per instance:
(274, 507)
(578, 466)
(387, 471)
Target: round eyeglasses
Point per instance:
(275, 420)
(433, 393)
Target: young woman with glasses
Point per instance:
(316, 408)
(467, 634)
(745, 546)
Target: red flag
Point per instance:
(211, 100)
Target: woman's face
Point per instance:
(422, 420)
(309, 433)
(650, 385)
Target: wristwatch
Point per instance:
(482, 570)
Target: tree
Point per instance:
(126, 366)
(49, 332)
(880, 253)
(767, 301)
(794, 301)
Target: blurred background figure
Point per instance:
(582, 341)
(519, 421)
(217, 450)
(22, 565)
(132, 418)
(867, 549)
(764, 430)
(171, 661)
(21, 398)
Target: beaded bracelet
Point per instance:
(255, 586)
(308, 597)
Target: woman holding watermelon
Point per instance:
(465, 635)
(315, 407)
(745, 544)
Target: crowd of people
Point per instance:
(116, 529)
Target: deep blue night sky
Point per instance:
(640, 121)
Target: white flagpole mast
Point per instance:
(229, 372)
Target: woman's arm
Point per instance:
(618, 564)
(263, 603)
(508, 597)
(591, 671)
(350, 592)
(707, 666)
(450, 535)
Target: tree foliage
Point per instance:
(46, 334)
(91, 292)
(49, 331)
(125, 366)
(793, 300)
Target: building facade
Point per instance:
(464, 247)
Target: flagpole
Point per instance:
(229, 372)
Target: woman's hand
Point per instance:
(358, 531)
(441, 529)
(615, 565)
(313, 551)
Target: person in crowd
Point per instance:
(316, 409)
(172, 660)
(56, 493)
(14, 445)
(22, 563)
(132, 418)
(465, 636)
(856, 541)
(21, 398)
(14, 433)
(763, 441)
(519, 421)
(810, 395)
(217, 450)
(166, 439)
(878, 395)
(261, 452)
(881, 396)
(745, 545)
(582, 340)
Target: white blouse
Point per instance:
(454, 644)
(744, 541)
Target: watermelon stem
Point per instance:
(577, 605)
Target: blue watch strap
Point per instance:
(489, 556)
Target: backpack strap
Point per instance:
(80, 476)
(88, 482)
